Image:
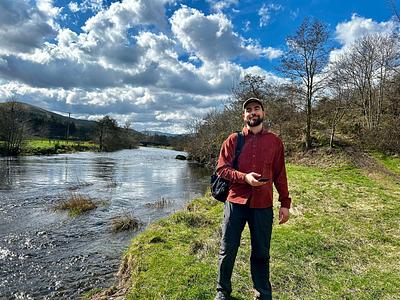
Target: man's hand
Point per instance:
(283, 215)
(251, 178)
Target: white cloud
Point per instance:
(46, 6)
(270, 77)
(219, 6)
(266, 11)
(73, 6)
(246, 26)
(24, 28)
(156, 80)
(348, 32)
(212, 37)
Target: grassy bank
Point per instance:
(40, 147)
(342, 242)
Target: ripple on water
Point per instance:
(45, 254)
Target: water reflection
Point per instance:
(50, 255)
(11, 169)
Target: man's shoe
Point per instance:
(222, 296)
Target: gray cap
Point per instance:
(251, 100)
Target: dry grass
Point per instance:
(125, 222)
(77, 204)
(161, 203)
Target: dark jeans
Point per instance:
(260, 225)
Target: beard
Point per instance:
(256, 122)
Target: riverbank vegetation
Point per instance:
(38, 147)
(342, 241)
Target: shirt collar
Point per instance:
(246, 131)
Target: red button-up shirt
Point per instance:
(262, 153)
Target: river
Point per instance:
(46, 254)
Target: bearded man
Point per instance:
(260, 164)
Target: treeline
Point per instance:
(351, 98)
(18, 123)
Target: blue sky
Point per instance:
(157, 63)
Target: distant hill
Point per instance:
(151, 133)
(47, 124)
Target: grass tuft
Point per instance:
(125, 222)
(76, 204)
(161, 203)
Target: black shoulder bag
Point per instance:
(219, 185)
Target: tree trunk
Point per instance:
(308, 128)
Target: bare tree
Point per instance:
(13, 126)
(304, 62)
(367, 67)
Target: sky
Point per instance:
(158, 63)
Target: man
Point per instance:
(260, 164)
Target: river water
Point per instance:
(46, 254)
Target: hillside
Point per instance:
(47, 124)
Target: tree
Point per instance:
(13, 127)
(111, 137)
(304, 62)
(367, 67)
(106, 131)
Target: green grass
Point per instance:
(389, 161)
(342, 242)
(38, 146)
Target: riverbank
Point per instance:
(49, 147)
(342, 242)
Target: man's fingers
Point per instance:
(284, 219)
(283, 215)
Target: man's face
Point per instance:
(253, 114)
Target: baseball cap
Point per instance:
(251, 100)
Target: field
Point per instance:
(57, 146)
(342, 242)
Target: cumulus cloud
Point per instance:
(266, 11)
(128, 60)
(348, 32)
(212, 37)
(23, 27)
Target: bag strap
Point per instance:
(239, 146)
